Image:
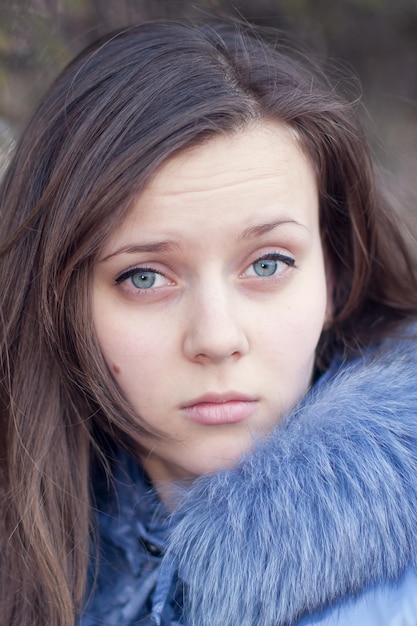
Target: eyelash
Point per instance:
(273, 256)
(276, 256)
(136, 270)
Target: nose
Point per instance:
(214, 331)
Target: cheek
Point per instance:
(125, 337)
(136, 354)
(290, 334)
(133, 357)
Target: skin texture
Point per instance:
(183, 307)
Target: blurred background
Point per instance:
(376, 40)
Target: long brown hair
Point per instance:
(114, 115)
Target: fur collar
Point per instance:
(322, 509)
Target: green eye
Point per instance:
(270, 264)
(143, 280)
(265, 267)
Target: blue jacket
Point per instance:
(316, 525)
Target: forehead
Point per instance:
(262, 150)
(237, 181)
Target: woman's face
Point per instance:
(210, 297)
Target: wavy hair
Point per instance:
(119, 110)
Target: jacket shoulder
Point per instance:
(388, 604)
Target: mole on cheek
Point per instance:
(116, 368)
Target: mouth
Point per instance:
(216, 409)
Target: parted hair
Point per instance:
(120, 109)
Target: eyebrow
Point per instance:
(169, 244)
(262, 229)
(151, 246)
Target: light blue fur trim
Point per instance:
(324, 508)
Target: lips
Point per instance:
(216, 409)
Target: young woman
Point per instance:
(208, 356)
